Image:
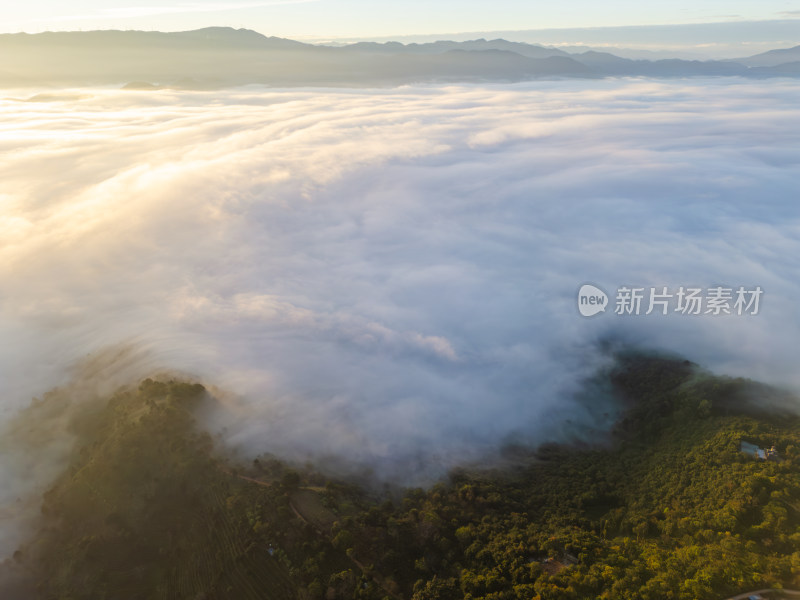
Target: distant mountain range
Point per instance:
(220, 57)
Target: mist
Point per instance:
(388, 278)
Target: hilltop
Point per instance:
(669, 506)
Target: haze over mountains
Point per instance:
(378, 278)
(220, 57)
(699, 41)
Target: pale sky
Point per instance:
(307, 19)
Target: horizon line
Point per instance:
(408, 35)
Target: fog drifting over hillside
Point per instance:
(389, 276)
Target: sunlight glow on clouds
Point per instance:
(388, 276)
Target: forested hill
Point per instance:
(670, 508)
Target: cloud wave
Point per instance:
(388, 277)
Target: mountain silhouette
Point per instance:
(216, 57)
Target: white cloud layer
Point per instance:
(386, 276)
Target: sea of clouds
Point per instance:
(389, 277)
